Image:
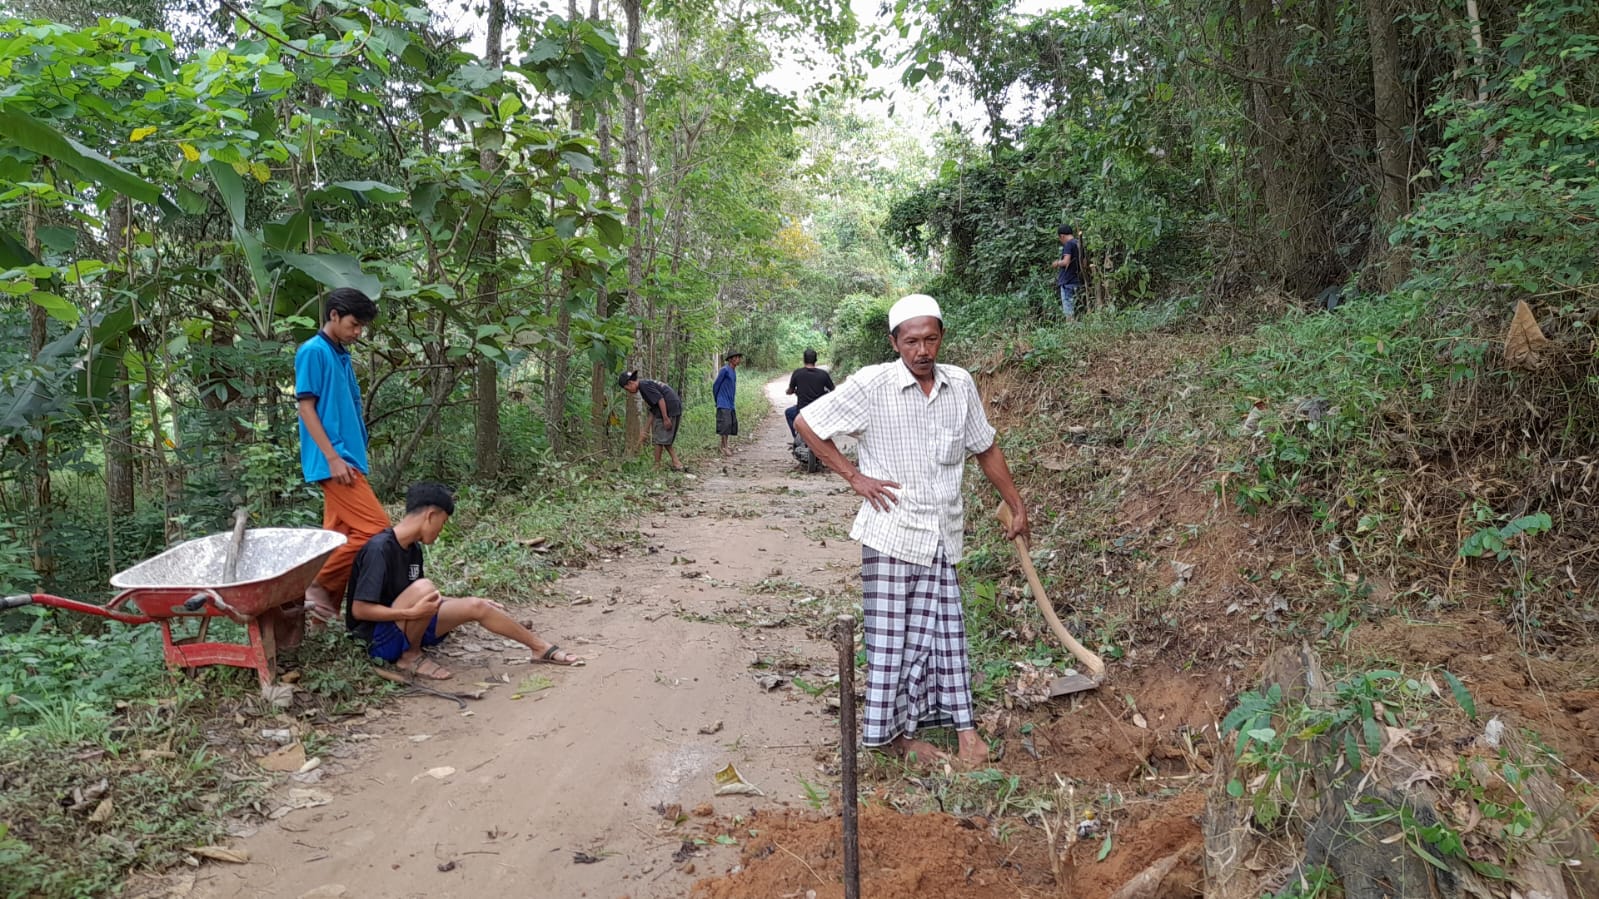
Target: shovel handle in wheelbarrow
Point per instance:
(71, 605)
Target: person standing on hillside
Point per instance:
(333, 441)
(725, 389)
(1069, 271)
(806, 385)
(916, 422)
(665, 408)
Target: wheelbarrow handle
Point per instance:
(16, 602)
(72, 605)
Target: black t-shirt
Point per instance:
(383, 569)
(809, 384)
(1073, 272)
(653, 392)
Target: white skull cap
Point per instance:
(914, 306)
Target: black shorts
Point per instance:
(727, 422)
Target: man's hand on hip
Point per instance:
(875, 491)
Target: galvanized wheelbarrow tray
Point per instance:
(273, 567)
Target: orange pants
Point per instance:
(354, 511)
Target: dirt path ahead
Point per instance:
(722, 577)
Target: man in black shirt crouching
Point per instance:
(398, 611)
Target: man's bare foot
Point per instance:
(973, 751)
(915, 752)
(418, 665)
(319, 605)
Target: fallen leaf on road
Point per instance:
(299, 799)
(281, 696)
(223, 854)
(102, 812)
(289, 758)
(729, 783)
(533, 683)
(436, 773)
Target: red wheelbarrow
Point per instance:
(273, 566)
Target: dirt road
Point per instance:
(724, 576)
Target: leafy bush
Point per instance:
(860, 333)
(1518, 208)
(16, 561)
(47, 666)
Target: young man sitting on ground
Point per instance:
(397, 611)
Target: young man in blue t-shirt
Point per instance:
(398, 611)
(1069, 271)
(333, 441)
(725, 388)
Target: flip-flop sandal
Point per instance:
(548, 658)
(416, 669)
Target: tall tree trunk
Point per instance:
(486, 454)
(599, 408)
(1478, 51)
(632, 101)
(1274, 138)
(1392, 149)
(1388, 92)
(118, 444)
(560, 370)
(38, 333)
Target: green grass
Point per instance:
(82, 701)
(164, 789)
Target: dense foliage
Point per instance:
(1300, 147)
(530, 218)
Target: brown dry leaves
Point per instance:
(1525, 341)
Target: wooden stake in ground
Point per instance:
(845, 639)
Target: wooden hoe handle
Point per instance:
(1090, 660)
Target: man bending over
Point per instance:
(398, 611)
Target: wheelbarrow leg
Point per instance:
(264, 645)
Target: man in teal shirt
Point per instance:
(725, 388)
(333, 441)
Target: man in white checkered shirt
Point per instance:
(916, 422)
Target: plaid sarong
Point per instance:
(916, 669)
